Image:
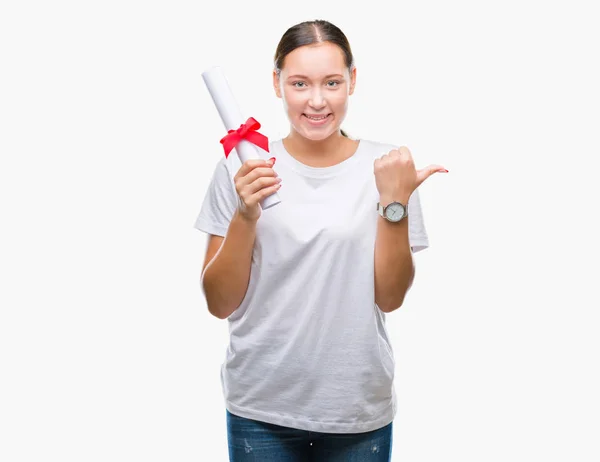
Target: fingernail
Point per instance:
(272, 160)
(444, 170)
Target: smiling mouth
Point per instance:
(316, 119)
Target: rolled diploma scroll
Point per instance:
(231, 116)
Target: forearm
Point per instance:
(225, 279)
(394, 267)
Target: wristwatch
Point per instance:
(393, 212)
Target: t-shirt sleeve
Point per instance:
(417, 234)
(219, 204)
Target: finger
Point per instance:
(268, 191)
(259, 172)
(403, 150)
(260, 183)
(253, 176)
(426, 172)
(256, 197)
(251, 164)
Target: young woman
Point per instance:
(305, 284)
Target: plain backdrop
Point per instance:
(108, 139)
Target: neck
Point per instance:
(315, 149)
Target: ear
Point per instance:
(352, 80)
(276, 84)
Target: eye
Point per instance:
(294, 84)
(337, 82)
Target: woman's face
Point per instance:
(314, 85)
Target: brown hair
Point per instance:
(308, 33)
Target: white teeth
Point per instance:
(314, 118)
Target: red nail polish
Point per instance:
(272, 159)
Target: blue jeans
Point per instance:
(255, 441)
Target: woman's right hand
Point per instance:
(254, 181)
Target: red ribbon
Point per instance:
(247, 131)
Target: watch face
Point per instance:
(394, 211)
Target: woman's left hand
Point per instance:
(396, 177)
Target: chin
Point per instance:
(316, 136)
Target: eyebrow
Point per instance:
(305, 77)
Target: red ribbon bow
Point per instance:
(247, 131)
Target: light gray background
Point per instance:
(108, 138)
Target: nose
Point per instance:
(316, 100)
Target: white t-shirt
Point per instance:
(308, 345)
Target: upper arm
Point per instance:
(220, 202)
(212, 247)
